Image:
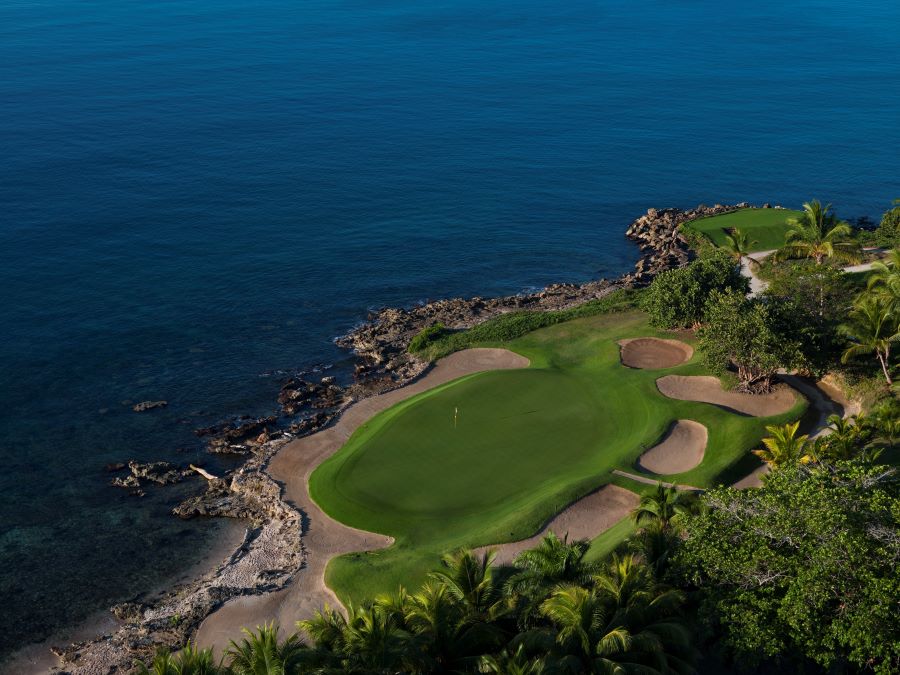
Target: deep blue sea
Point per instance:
(196, 196)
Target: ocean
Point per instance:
(196, 197)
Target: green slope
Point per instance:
(766, 226)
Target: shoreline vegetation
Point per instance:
(394, 348)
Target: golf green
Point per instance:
(765, 227)
(491, 457)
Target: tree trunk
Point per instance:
(881, 360)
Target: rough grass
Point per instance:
(526, 444)
(766, 226)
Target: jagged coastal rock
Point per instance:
(272, 551)
(149, 405)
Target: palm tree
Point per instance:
(515, 663)
(663, 507)
(260, 653)
(552, 562)
(784, 446)
(469, 578)
(872, 327)
(189, 661)
(885, 278)
(374, 642)
(818, 234)
(738, 243)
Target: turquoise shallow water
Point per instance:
(195, 196)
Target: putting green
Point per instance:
(523, 445)
(766, 226)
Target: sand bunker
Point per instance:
(585, 519)
(706, 389)
(652, 353)
(324, 537)
(681, 449)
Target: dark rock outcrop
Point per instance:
(149, 405)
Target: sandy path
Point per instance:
(647, 480)
(584, 519)
(680, 450)
(707, 389)
(325, 537)
(653, 353)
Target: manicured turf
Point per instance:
(526, 444)
(766, 226)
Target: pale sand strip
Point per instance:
(584, 519)
(653, 353)
(324, 537)
(707, 389)
(647, 480)
(680, 450)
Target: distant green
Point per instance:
(766, 226)
(523, 446)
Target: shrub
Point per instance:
(676, 298)
(426, 336)
(888, 232)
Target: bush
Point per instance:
(426, 337)
(676, 298)
(888, 232)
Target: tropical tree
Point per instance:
(511, 663)
(375, 642)
(554, 561)
(469, 578)
(884, 278)
(261, 653)
(819, 235)
(872, 328)
(662, 507)
(738, 243)
(189, 661)
(784, 447)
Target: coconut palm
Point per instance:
(663, 507)
(818, 234)
(738, 243)
(374, 642)
(447, 640)
(784, 446)
(885, 278)
(588, 637)
(872, 328)
(189, 661)
(469, 578)
(655, 545)
(511, 663)
(552, 562)
(261, 653)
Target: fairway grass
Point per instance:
(766, 227)
(491, 457)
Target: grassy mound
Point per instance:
(766, 226)
(524, 445)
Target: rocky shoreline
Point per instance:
(272, 550)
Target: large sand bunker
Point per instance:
(706, 389)
(653, 353)
(681, 449)
(585, 519)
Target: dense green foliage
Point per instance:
(677, 298)
(743, 333)
(765, 228)
(805, 566)
(491, 457)
(888, 232)
(512, 325)
(426, 336)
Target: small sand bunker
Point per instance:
(585, 519)
(681, 449)
(652, 353)
(706, 389)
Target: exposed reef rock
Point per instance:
(149, 405)
(660, 240)
(297, 395)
